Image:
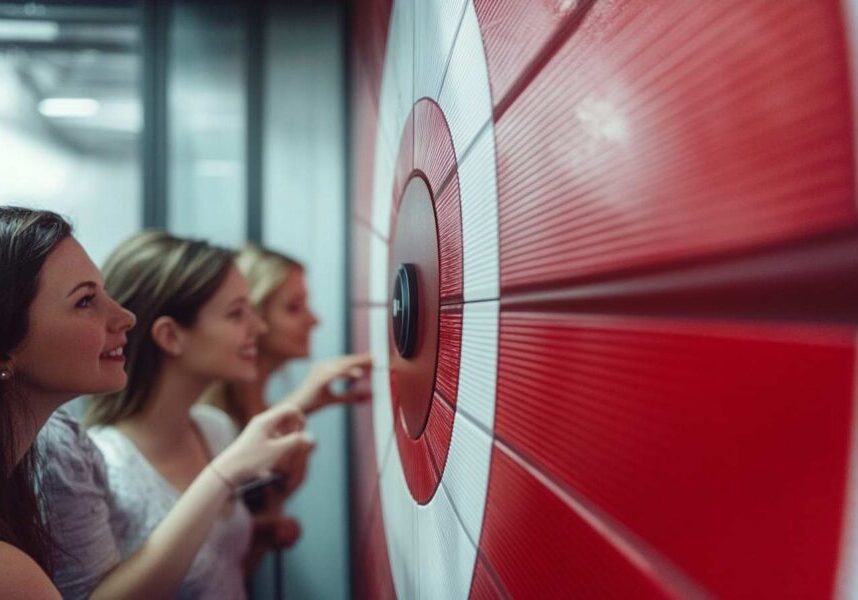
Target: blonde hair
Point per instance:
(155, 274)
(266, 270)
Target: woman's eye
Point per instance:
(236, 314)
(85, 302)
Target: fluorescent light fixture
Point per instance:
(19, 30)
(69, 107)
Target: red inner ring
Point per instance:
(415, 241)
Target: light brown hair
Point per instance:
(155, 274)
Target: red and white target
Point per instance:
(434, 412)
(605, 258)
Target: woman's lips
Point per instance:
(115, 355)
(248, 353)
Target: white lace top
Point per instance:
(142, 498)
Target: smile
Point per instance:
(115, 354)
(249, 353)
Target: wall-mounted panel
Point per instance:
(645, 242)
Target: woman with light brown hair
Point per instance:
(195, 325)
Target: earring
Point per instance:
(5, 374)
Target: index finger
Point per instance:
(351, 361)
(284, 411)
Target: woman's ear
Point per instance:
(6, 370)
(167, 335)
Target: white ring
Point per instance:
(432, 547)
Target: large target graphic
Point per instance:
(442, 221)
(604, 255)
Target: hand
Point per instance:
(275, 532)
(269, 438)
(270, 532)
(293, 468)
(316, 393)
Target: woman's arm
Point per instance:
(158, 567)
(21, 578)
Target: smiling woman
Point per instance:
(70, 312)
(26, 241)
(196, 325)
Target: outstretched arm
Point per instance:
(158, 567)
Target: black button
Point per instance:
(404, 310)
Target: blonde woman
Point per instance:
(278, 291)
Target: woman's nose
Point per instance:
(260, 326)
(122, 318)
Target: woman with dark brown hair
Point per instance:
(26, 241)
(62, 336)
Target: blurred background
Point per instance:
(224, 120)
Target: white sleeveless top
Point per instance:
(142, 498)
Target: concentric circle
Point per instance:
(415, 352)
(436, 125)
(422, 395)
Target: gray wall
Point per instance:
(206, 126)
(304, 215)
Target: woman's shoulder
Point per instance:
(68, 454)
(62, 431)
(215, 424)
(21, 577)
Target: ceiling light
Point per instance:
(69, 107)
(19, 30)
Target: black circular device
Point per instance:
(404, 310)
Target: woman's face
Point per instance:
(289, 318)
(222, 343)
(76, 331)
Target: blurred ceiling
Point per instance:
(80, 66)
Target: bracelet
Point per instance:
(220, 476)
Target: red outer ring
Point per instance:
(426, 150)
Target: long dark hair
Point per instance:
(27, 238)
(155, 274)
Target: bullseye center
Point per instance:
(413, 278)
